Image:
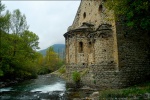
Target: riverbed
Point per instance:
(45, 87)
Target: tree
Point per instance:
(51, 59)
(2, 7)
(18, 22)
(31, 39)
(18, 27)
(18, 56)
(2, 21)
(29, 43)
(24, 61)
(51, 62)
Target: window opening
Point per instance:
(100, 8)
(84, 15)
(80, 47)
(90, 47)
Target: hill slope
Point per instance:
(58, 48)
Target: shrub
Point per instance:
(76, 78)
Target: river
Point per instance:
(45, 87)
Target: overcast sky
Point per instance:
(48, 19)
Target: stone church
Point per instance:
(97, 47)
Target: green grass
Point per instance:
(131, 92)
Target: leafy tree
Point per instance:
(2, 7)
(50, 62)
(18, 22)
(51, 59)
(2, 21)
(30, 39)
(18, 56)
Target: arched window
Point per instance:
(80, 47)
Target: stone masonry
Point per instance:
(97, 47)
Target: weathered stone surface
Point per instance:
(99, 47)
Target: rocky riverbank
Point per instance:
(8, 82)
(82, 93)
(141, 91)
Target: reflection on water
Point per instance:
(44, 87)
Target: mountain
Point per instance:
(58, 48)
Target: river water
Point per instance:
(45, 87)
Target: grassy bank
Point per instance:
(61, 72)
(141, 91)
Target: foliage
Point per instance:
(18, 45)
(136, 12)
(18, 56)
(18, 22)
(76, 77)
(49, 63)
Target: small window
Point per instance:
(90, 47)
(90, 42)
(80, 47)
(84, 15)
(100, 8)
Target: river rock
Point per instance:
(146, 96)
(86, 88)
(76, 99)
(94, 94)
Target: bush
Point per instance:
(76, 78)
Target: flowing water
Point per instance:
(45, 87)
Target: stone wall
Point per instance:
(134, 64)
(104, 50)
(94, 12)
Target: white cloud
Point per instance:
(48, 19)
